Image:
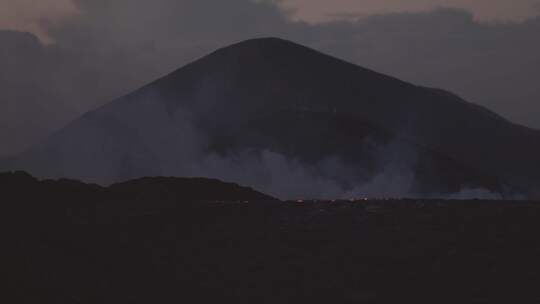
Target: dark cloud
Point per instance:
(112, 47)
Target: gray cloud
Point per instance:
(112, 47)
(317, 10)
(28, 15)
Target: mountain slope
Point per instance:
(294, 122)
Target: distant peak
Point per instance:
(260, 50)
(265, 43)
(266, 40)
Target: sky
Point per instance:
(485, 10)
(29, 14)
(61, 58)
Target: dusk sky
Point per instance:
(27, 14)
(487, 10)
(84, 53)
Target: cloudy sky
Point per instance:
(28, 14)
(60, 58)
(487, 10)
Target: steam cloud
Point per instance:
(141, 137)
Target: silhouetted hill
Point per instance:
(21, 185)
(265, 109)
(163, 240)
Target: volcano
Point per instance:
(293, 122)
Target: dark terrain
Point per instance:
(167, 240)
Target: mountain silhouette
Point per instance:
(292, 121)
(23, 186)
